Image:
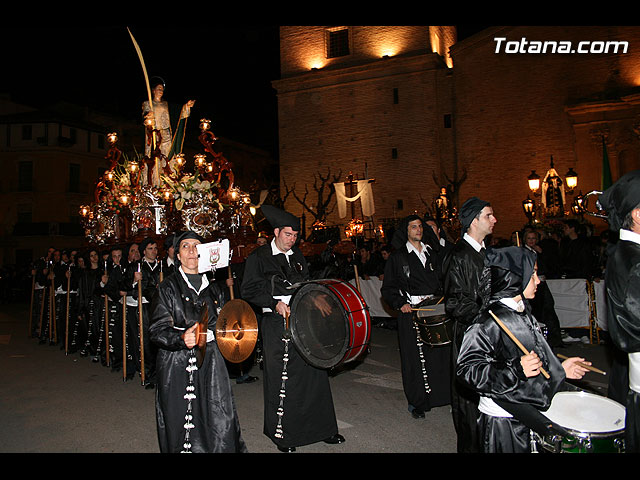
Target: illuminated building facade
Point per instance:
(414, 109)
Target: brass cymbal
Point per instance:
(236, 330)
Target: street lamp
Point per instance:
(534, 182)
(571, 178)
(529, 207)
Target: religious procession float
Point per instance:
(160, 192)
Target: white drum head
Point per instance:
(586, 412)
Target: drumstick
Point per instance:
(517, 342)
(588, 367)
(423, 309)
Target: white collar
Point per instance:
(170, 261)
(472, 241)
(152, 267)
(629, 236)
(275, 250)
(205, 281)
(412, 248)
(512, 304)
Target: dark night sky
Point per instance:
(227, 69)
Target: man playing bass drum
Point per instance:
(306, 414)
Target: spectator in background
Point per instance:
(576, 257)
(369, 263)
(542, 304)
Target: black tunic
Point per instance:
(216, 427)
(622, 282)
(489, 362)
(90, 308)
(405, 275)
(308, 412)
(466, 292)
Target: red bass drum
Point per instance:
(329, 322)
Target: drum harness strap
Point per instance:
(419, 343)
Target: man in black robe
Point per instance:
(412, 276)
(306, 414)
(168, 264)
(142, 276)
(509, 381)
(622, 282)
(466, 292)
(149, 277)
(114, 288)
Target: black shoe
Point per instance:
(335, 439)
(247, 379)
(417, 413)
(287, 449)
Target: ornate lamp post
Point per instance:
(529, 207)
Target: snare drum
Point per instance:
(595, 424)
(330, 323)
(434, 328)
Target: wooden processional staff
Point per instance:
(52, 311)
(140, 326)
(33, 292)
(106, 320)
(124, 338)
(66, 321)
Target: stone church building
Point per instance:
(414, 109)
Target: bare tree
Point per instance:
(320, 210)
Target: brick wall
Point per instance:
(382, 119)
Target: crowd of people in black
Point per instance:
(86, 302)
(92, 280)
(97, 303)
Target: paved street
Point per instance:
(51, 402)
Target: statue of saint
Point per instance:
(161, 137)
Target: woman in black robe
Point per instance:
(511, 387)
(195, 408)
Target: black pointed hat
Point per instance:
(279, 218)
